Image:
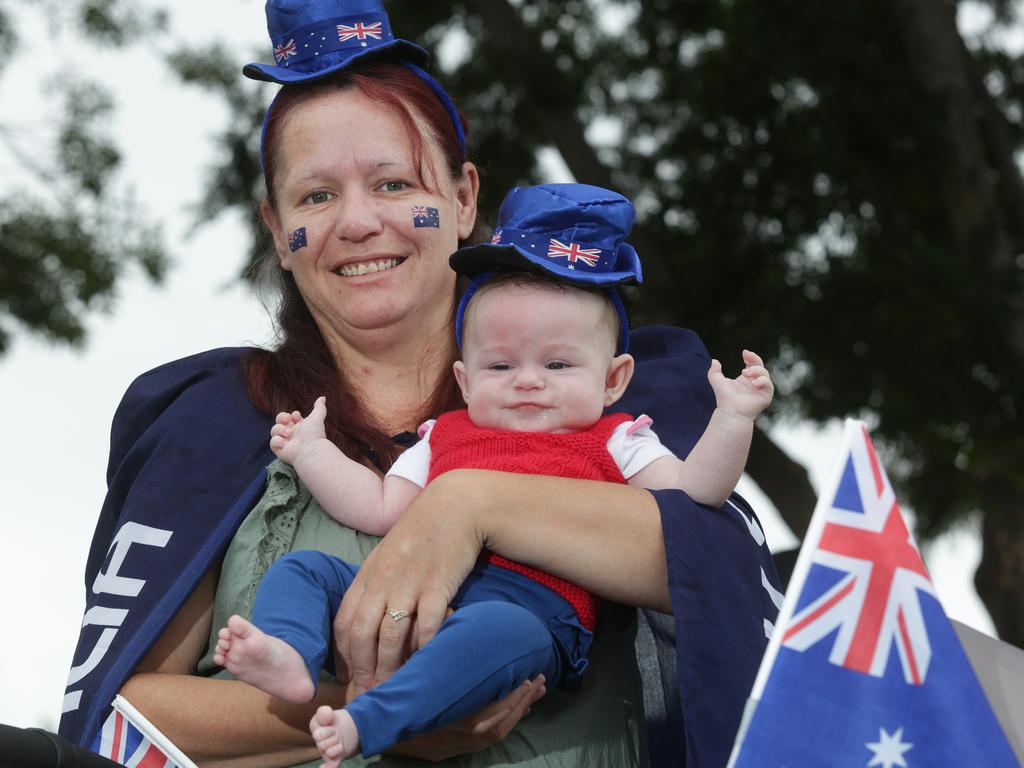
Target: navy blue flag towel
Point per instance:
(864, 668)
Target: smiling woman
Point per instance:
(369, 191)
(348, 160)
(355, 200)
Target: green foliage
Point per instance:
(8, 38)
(55, 267)
(66, 232)
(236, 181)
(791, 169)
(118, 22)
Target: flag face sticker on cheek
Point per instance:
(425, 216)
(297, 239)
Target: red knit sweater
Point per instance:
(455, 443)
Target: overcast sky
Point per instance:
(60, 402)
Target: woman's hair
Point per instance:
(301, 368)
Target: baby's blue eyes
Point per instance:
(557, 366)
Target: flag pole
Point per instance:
(800, 571)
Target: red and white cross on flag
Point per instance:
(359, 31)
(875, 602)
(573, 251)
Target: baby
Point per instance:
(543, 356)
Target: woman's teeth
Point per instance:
(366, 267)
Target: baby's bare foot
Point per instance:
(264, 661)
(335, 734)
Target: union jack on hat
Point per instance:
(573, 232)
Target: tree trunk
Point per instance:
(1001, 573)
(984, 195)
(783, 480)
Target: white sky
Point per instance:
(55, 460)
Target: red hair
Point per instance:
(301, 368)
(393, 85)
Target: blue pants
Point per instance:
(481, 653)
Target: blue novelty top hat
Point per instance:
(313, 38)
(316, 38)
(573, 232)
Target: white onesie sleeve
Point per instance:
(634, 445)
(414, 463)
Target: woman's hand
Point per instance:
(488, 726)
(418, 567)
(606, 537)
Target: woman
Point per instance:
(366, 318)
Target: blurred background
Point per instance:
(836, 185)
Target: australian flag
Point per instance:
(425, 216)
(297, 239)
(863, 667)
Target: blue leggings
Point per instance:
(481, 653)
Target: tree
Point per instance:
(66, 231)
(833, 185)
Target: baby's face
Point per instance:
(536, 359)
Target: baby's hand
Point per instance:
(293, 435)
(749, 393)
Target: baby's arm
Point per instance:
(716, 462)
(352, 494)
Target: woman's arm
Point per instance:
(218, 723)
(229, 724)
(603, 536)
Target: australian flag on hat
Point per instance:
(863, 667)
(572, 232)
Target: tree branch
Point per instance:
(550, 105)
(783, 480)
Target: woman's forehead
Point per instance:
(345, 117)
(345, 126)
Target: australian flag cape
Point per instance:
(188, 462)
(864, 668)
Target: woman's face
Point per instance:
(377, 235)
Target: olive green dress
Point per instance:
(599, 725)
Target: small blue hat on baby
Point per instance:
(574, 233)
(311, 39)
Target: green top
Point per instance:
(599, 725)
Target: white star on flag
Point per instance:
(889, 749)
